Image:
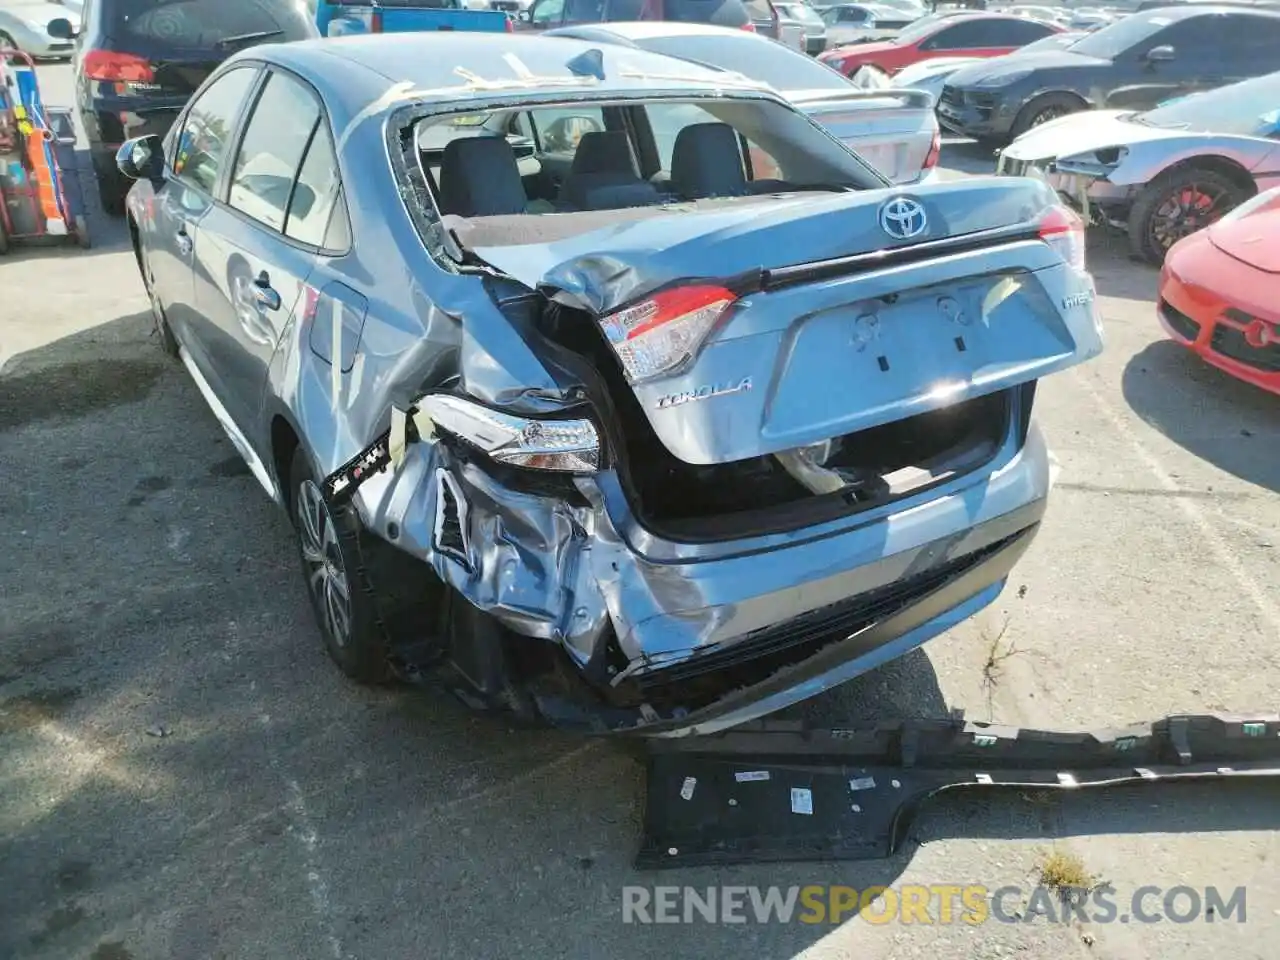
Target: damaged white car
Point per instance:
(1160, 174)
(614, 434)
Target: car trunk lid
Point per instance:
(893, 130)
(834, 327)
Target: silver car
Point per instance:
(25, 25)
(1164, 173)
(620, 440)
(896, 131)
(815, 29)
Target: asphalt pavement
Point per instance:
(183, 774)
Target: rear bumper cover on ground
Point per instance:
(851, 794)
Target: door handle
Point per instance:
(264, 293)
(184, 242)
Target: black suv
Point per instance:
(1133, 64)
(138, 61)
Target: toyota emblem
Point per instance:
(903, 218)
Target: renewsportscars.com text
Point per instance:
(970, 904)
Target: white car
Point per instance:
(24, 25)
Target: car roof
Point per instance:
(356, 73)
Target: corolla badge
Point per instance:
(903, 218)
(704, 392)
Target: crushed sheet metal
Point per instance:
(898, 766)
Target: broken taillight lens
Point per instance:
(660, 333)
(567, 446)
(1062, 229)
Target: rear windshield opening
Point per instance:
(553, 171)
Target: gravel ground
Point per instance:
(184, 775)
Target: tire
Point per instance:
(1042, 109)
(111, 192)
(333, 570)
(1149, 238)
(83, 240)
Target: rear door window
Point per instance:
(271, 152)
(971, 34)
(316, 194)
(1016, 33)
(205, 139)
(1202, 36)
(209, 24)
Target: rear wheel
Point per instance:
(82, 232)
(333, 569)
(112, 189)
(1042, 109)
(1177, 204)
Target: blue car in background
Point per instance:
(335, 18)
(613, 432)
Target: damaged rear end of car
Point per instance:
(780, 433)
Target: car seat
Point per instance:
(603, 175)
(480, 177)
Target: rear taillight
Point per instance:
(749, 27)
(375, 21)
(935, 151)
(1062, 229)
(117, 67)
(658, 334)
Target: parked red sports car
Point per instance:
(956, 35)
(1220, 292)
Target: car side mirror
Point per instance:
(59, 28)
(1160, 54)
(142, 158)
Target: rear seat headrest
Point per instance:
(480, 177)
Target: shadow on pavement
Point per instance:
(1228, 423)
